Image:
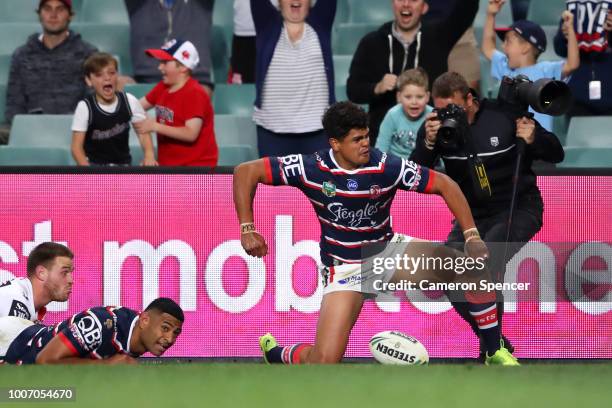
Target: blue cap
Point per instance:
(529, 31)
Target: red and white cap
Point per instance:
(182, 51)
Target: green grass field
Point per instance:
(349, 385)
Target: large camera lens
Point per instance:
(447, 134)
(545, 96)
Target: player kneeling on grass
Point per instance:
(100, 335)
(349, 179)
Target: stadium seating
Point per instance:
(219, 52)
(111, 38)
(15, 34)
(2, 101)
(235, 130)
(234, 99)
(341, 92)
(545, 12)
(503, 18)
(5, 67)
(368, 11)
(18, 11)
(590, 131)
(342, 63)
(34, 156)
(138, 90)
(342, 12)
(41, 131)
(347, 36)
(106, 11)
(587, 157)
(232, 155)
(549, 54)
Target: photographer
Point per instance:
(485, 135)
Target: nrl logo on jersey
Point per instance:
(375, 192)
(329, 188)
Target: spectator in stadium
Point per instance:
(101, 123)
(294, 74)
(99, 335)
(524, 42)
(406, 42)
(184, 115)
(494, 131)
(399, 128)
(49, 279)
(463, 58)
(46, 73)
(347, 179)
(591, 83)
(154, 22)
(242, 61)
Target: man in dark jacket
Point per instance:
(495, 132)
(46, 73)
(413, 42)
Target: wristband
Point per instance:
(247, 228)
(470, 234)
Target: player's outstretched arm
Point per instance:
(246, 177)
(458, 205)
(57, 352)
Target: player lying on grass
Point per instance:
(49, 279)
(100, 335)
(348, 179)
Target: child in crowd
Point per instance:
(101, 123)
(185, 117)
(398, 130)
(524, 41)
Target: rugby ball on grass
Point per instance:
(396, 348)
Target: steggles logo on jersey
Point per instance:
(329, 189)
(18, 309)
(352, 217)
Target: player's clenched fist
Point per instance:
(254, 244)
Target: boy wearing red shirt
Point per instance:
(185, 118)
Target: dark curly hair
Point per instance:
(341, 117)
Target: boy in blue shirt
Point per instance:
(524, 41)
(398, 130)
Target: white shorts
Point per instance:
(10, 328)
(355, 278)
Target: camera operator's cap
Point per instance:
(528, 30)
(67, 3)
(182, 51)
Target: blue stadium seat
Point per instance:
(5, 68)
(545, 12)
(233, 155)
(138, 90)
(34, 156)
(549, 54)
(503, 19)
(15, 35)
(341, 92)
(106, 11)
(347, 36)
(18, 11)
(342, 12)
(220, 54)
(585, 157)
(368, 11)
(235, 130)
(590, 131)
(2, 102)
(234, 99)
(342, 63)
(41, 131)
(111, 38)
